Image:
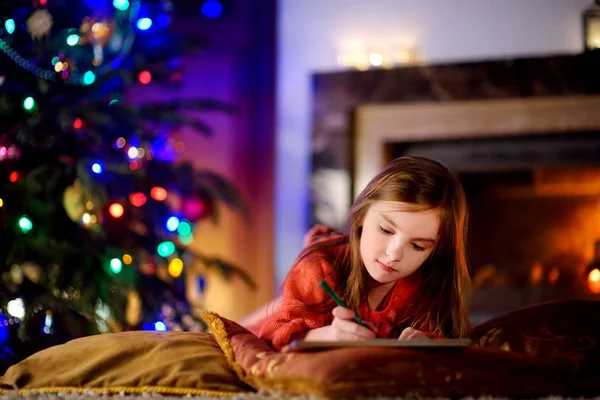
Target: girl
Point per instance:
(402, 267)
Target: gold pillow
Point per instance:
(130, 362)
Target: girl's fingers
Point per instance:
(412, 334)
(350, 330)
(343, 313)
(417, 335)
(406, 333)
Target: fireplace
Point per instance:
(534, 214)
(526, 150)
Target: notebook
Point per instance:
(306, 345)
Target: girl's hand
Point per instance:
(342, 328)
(412, 334)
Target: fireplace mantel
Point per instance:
(378, 125)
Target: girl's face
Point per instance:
(395, 240)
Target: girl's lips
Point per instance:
(385, 267)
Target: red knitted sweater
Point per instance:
(294, 318)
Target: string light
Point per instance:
(47, 329)
(88, 78)
(212, 9)
(97, 168)
(184, 228)
(11, 152)
(16, 308)
(72, 40)
(28, 103)
(1, 202)
(10, 26)
(172, 224)
(160, 326)
(132, 152)
(25, 224)
(137, 199)
(165, 249)
(175, 267)
(13, 177)
(116, 210)
(86, 218)
(144, 24)
(145, 77)
(158, 193)
(121, 5)
(78, 123)
(127, 259)
(116, 265)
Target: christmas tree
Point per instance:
(96, 214)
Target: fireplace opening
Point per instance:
(534, 204)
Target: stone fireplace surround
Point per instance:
(359, 117)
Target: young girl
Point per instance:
(402, 267)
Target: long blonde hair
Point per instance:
(442, 304)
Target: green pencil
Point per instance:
(338, 300)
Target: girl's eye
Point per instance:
(385, 230)
(417, 247)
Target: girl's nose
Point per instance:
(394, 251)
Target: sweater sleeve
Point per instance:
(302, 297)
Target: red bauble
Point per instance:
(196, 208)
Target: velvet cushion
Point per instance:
(164, 362)
(565, 328)
(352, 372)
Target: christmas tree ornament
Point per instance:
(32, 271)
(39, 23)
(16, 274)
(197, 207)
(98, 33)
(74, 201)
